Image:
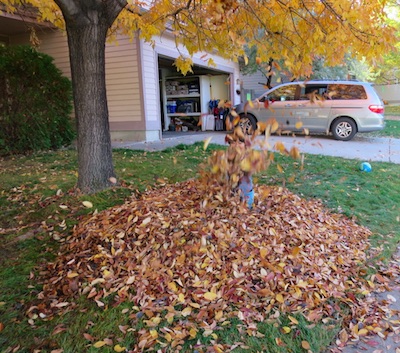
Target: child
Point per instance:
(245, 183)
(246, 189)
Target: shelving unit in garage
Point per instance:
(186, 99)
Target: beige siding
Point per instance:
(123, 81)
(122, 74)
(53, 43)
(56, 44)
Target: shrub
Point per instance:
(35, 102)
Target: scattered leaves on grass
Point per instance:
(189, 259)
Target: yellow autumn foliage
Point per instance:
(294, 34)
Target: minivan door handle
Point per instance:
(288, 105)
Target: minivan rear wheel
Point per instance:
(344, 129)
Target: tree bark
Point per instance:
(87, 23)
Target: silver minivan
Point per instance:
(340, 108)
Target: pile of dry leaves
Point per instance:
(193, 257)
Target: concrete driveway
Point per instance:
(362, 147)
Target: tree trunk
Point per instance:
(87, 55)
(87, 23)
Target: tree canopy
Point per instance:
(389, 70)
(293, 31)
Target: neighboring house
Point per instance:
(389, 93)
(254, 85)
(142, 83)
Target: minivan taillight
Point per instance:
(377, 108)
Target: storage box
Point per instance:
(207, 122)
(171, 107)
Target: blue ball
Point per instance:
(365, 167)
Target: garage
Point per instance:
(193, 102)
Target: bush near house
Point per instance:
(35, 102)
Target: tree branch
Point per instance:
(114, 8)
(69, 8)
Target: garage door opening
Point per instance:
(193, 102)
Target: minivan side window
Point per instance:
(310, 92)
(286, 93)
(343, 91)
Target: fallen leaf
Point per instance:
(210, 296)
(187, 311)
(372, 343)
(293, 320)
(391, 298)
(118, 348)
(279, 298)
(88, 337)
(99, 344)
(87, 204)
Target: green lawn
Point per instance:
(392, 110)
(38, 204)
(392, 129)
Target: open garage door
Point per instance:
(186, 100)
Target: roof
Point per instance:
(20, 21)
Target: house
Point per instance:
(389, 93)
(146, 95)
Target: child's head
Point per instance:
(234, 141)
(237, 143)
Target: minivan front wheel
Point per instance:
(248, 123)
(344, 129)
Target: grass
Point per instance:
(32, 188)
(392, 110)
(392, 129)
(372, 198)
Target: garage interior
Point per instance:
(192, 102)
